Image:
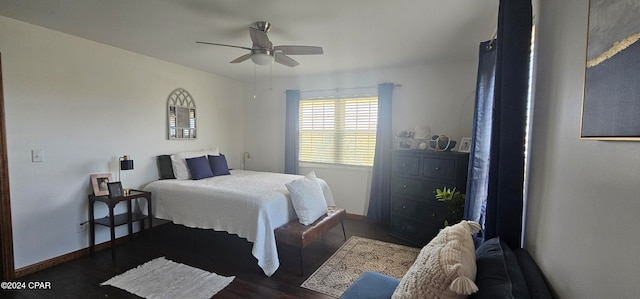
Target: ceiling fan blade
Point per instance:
(286, 60)
(216, 44)
(242, 58)
(299, 50)
(260, 39)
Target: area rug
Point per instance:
(162, 278)
(359, 255)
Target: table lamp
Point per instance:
(125, 164)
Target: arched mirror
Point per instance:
(181, 118)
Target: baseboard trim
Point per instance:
(67, 257)
(356, 216)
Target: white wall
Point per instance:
(85, 104)
(438, 95)
(582, 220)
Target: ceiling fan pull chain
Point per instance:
(271, 76)
(255, 82)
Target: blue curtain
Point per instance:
(291, 137)
(380, 198)
(478, 176)
(505, 170)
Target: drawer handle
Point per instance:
(404, 227)
(404, 207)
(404, 186)
(434, 214)
(437, 168)
(404, 164)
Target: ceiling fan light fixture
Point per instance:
(262, 52)
(262, 57)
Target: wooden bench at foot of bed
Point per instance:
(300, 236)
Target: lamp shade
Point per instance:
(126, 164)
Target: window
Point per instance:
(339, 131)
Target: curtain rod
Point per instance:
(345, 88)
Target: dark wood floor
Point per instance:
(217, 252)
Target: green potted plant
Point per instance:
(455, 202)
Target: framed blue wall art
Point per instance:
(611, 99)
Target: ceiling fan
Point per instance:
(263, 52)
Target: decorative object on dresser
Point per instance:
(465, 145)
(405, 139)
(441, 143)
(416, 214)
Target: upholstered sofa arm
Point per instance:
(536, 283)
(371, 285)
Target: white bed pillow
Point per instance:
(307, 198)
(180, 169)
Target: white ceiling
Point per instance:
(355, 34)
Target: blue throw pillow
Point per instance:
(219, 165)
(199, 168)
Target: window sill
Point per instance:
(335, 166)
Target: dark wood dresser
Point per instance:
(416, 214)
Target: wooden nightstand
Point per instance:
(112, 220)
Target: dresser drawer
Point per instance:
(435, 213)
(418, 188)
(408, 165)
(412, 230)
(439, 168)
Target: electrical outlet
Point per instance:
(82, 227)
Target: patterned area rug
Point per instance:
(359, 255)
(162, 278)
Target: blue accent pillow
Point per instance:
(219, 165)
(199, 168)
(499, 274)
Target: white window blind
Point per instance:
(339, 131)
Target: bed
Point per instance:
(250, 204)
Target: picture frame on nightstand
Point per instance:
(115, 189)
(99, 183)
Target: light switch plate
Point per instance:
(36, 155)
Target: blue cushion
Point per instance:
(371, 285)
(499, 274)
(532, 275)
(219, 165)
(199, 168)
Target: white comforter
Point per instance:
(247, 203)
